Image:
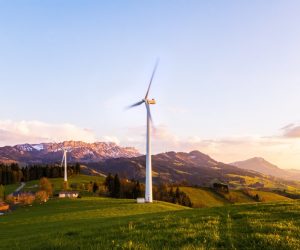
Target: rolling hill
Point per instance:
(194, 168)
(262, 166)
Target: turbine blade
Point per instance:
(153, 73)
(136, 104)
(62, 161)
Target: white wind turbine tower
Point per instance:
(64, 161)
(148, 102)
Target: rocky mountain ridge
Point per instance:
(78, 151)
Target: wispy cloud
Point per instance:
(291, 131)
(278, 149)
(16, 132)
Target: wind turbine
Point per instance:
(148, 102)
(64, 161)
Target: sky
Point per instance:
(227, 83)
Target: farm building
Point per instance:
(220, 187)
(68, 194)
(3, 206)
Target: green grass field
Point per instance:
(269, 196)
(57, 183)
(10, 188)
(204, 197)
(102, 223)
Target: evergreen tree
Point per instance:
(109, 183)
(77, 168)
(137, 191)
(95, 187)
(117, 187)
(177, 196)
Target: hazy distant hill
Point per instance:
(262, 166)
(193, 168)
(52, 152)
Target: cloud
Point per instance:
(108, 138)
(279, 150)
(291, 131)
(17, 132)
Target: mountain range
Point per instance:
(52, 152)
(193, 168)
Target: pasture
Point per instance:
(103, 223)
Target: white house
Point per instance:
(68, 194)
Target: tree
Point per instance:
(117, 187)
(46, 186)
(172, 195)
(137, 190)
(95, 187)
(77, 168)
(41, 196)
(177, 195)
(109, 183)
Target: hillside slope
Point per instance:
(204, 197)
(262, 166)
(194, 168)
(97, 223)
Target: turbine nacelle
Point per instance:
(150, 101)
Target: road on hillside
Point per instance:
(20, 187)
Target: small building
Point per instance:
(68, 194)
(3, 206)
(140, 200)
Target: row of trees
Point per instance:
(163, 192)
(10, 174)
(132, 189)
(123, 188)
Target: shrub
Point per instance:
(46, 186)
(74, 186)
(26, 198)
(82, 186)
(102, 191)
(10, 198)
(41, 196)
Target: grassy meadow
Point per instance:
(103, 223)
(57, 183)
(94, 222)
(206, 197)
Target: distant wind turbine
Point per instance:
(148, 102)
(64, 161)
